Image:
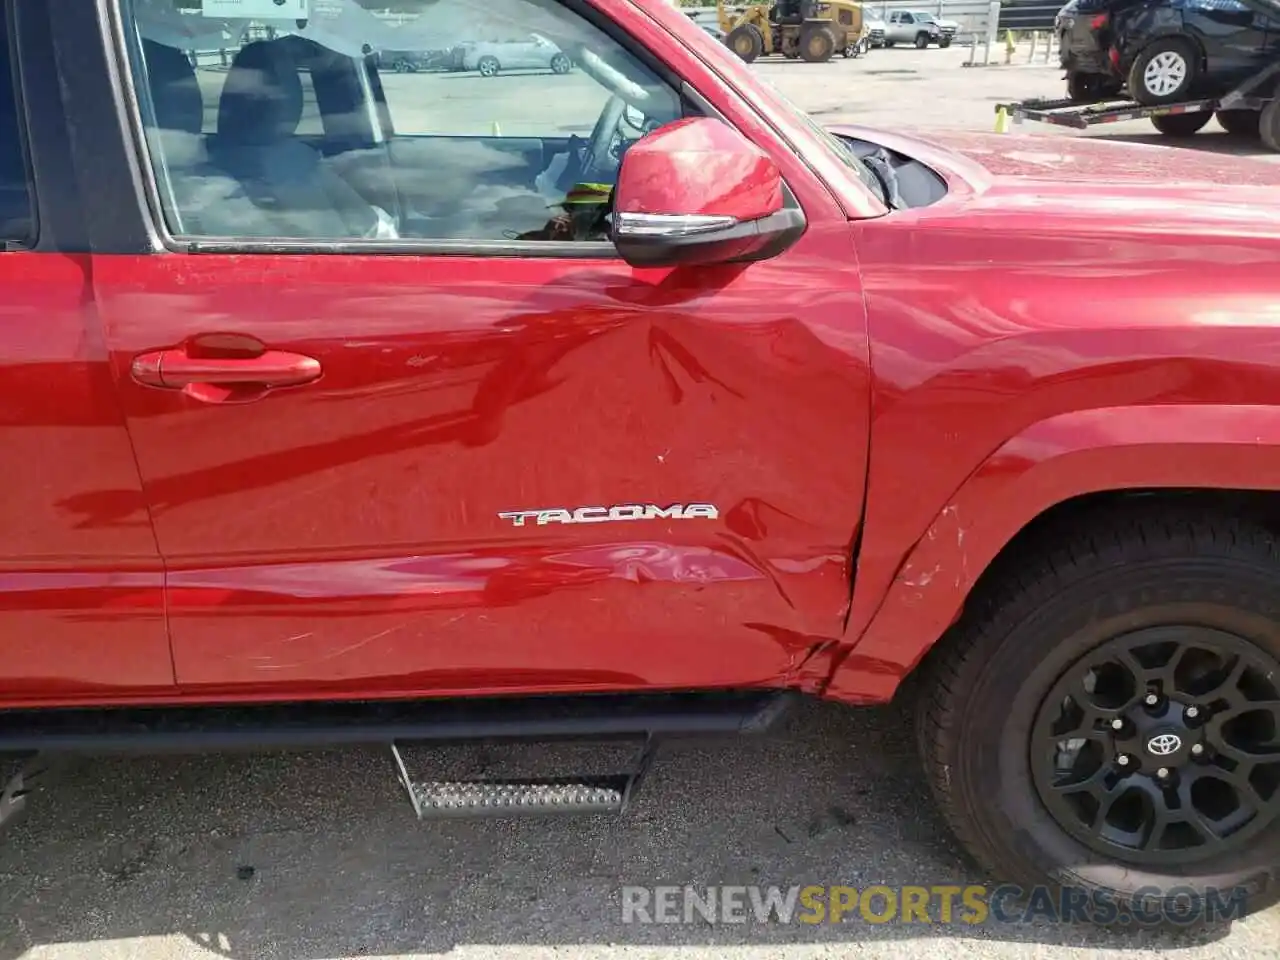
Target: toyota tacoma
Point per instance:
(343, 406)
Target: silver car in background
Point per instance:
(534, 52)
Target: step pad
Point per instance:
(471, 798)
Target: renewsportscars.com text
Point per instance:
(939, 903)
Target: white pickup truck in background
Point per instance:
(918, 28)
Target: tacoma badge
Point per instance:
(626, 511)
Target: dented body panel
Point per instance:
(382, 531)
(1035, 352)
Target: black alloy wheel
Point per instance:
(1160, 747)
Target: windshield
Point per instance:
(838, 147)
(727, 64)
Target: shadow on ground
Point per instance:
(304, 856)
(1210, 140)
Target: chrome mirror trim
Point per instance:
(669, 224)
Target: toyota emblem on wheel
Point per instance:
(1164, 744)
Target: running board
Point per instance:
(322, 725)
(526, 796)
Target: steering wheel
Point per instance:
(597, 157)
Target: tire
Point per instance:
(1182, 124)
(817, 44)
(1187, 577)
(944, 43)
(1090, 87)
(922, 41)
(1240, 123)
(1269, 126)
(889, 43)
(560, 64)
(404, 66)
(488, 66)
(746, 41)
(1164, 72)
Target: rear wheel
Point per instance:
(1164, 72)
(746, 41)
(817, 44)
(1104, 719)
(1240, 123)
(1083, 87)
(1090, 87)
(1181, 124)
(1269, 125)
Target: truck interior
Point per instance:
(293, 119)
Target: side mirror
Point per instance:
(698, 192)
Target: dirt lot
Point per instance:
(931, 89)
(303, 857)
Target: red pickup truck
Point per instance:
(630, 402)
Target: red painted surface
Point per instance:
(1070, 326)
(81, 593)
(1171, 443)
(344, 534)
(699, 166)
(1074, 316)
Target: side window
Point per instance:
(846, 18)
(908, 18)
(17, 222)
(363, 126)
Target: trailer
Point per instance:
(1251, 108)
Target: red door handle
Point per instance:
(177, 369)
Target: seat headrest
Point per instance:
(175, 91)
(262, 98)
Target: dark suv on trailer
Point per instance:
(1165, 51)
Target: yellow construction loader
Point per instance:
(812, 30)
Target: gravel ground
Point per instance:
(310, 856)
(302, 856)
(922, 90)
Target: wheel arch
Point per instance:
(1056, 470)
(1168, 33)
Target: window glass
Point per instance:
(1221, 6)
(477, 120)
(16, 220)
